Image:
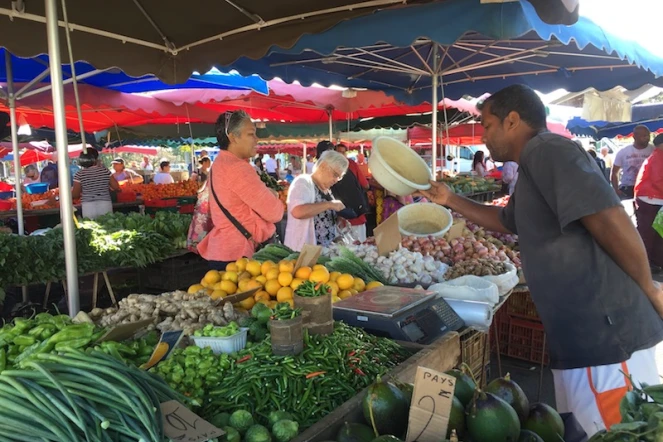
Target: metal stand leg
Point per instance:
(24, 292)
(543, 358)
(95, 289)
(110, 289)
(46, 294)
(497, 350)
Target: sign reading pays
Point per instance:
(181, 424)
(431, 406)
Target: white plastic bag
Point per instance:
(468, 288)
(477, 315)
(507, 281)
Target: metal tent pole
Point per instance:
(331, 126)
(11, 98)
(66, 203)
(434, 117)
(304, 160)
(446, 120)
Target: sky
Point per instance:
(635, 20)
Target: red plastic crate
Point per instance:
(520, 305)
(187, 208)
(527, 341)
(161, 203)
(500, 325)
(126, 197)
(5, 205)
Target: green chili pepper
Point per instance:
(76, 331)
(44, 318)
(74, 343)
(36, 331)
(24, 340)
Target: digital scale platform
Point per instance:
(398, 313)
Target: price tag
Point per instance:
(308, 257)
(388, 235)
(181, 424)
(456, 230)
(168, 342)
(431, 405)
(125, 331)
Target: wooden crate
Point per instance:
(475, 353)
(441, 355)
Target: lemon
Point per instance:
(285, 279)
(244, 275)
(241, 264)
(333, 287)
(296, 283)
(261, 279)
(218, 294)
(287, 267)
(232, 267)
(212, 277)
(253, 284)
(262, 296)
(333, 276)
(284, 294)
(241, 285)
(303, 273)
(345, 281)
(248, 303)
(231, 276)
(335, 299)
(319, 275)
(195, 289)
(228, 287)
(374, 284)
(345, 294)
(359, 285)
(254, 268)
(272, 287)
(266, 266)
(319, 267)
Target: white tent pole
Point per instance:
(304, 160)
(14, 128)
(66, 203)
(331, 126)
(446, 119)
(434, 117)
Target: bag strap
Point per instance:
(232, 219)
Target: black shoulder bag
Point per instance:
(257, 246)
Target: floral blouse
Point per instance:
(325, 222)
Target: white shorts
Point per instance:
(593, 394)
(94, 209)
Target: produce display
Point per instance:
(468, 184)
(500, 412)
(400, 267)
(476, 267)
(46, 200)
(270, 181)
(23, 339)
(79, 396)
(280, 426)
(210, 331)
(170, 311)
(41, 258)
(459, 249)
(159, 191)
(329, 371)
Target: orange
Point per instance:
(345, 294)
(231, 276)
(241, 264)
(272, 273)
(373, 284)
(252, 284)
(242, 285)
(212, 277)
(232, 267)
(285, 279)
(296, 283)
(333, 276)
(303, 273)
(228, 287)
(345, 281)
(254, 268)
(284, 294)
(261, 279)
(287, 266)
(319, 267)
(272, 287)
(266, 266)
(333, 288)
(218, 294)
(195, 289)
(205, 284)
(262, 296)
(359, 285)
(248, 303)
(319, 275)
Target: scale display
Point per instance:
(399, 313)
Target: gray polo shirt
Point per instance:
(593, 313)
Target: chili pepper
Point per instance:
(74, 343)
(36, 331)
(317, 373)
(44, 318)
(244, 359)
(98, 335)
(359, 372)
(70, 332)
(22, 324)
(25, 340)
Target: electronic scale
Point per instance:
(398, 313)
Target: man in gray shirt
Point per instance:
(583, 259)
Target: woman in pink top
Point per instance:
(241, 192)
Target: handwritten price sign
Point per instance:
(431, 406)
(181, 424)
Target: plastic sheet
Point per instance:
(478, 315)
(468, 288)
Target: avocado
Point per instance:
(490, 419)
(546, 422)
(511, 393)
(528, 436)
(352, 432)
(456, 418)
(387, 438)
(465, 386)
(386, 408)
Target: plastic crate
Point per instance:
(126, 197)
(36, 188)
(185, 200)
(177, 273)
(6, 205)
(475, 352)
(228, 344)
(520, 305)
(499, 331)
(6, 195)
(161, 203)
(187, 208)
(527, 341)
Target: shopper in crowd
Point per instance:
(123, 175)
(295, 165)
(510, 176)
(599, 161)
(607, 159)
(479, 164)
(629, 160)
(202, 172)
(259, 165)
(289, 177)
(312, 208)
(31, 175)
(92, 184)
(272, 167)
(164, 176)
(648, 202)
(309, 164)
(49, 174)
(351, 190)
(146, 165)
(251, 208)
(582, 257)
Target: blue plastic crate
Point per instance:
(6, 195)
(36, 188)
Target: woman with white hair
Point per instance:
(311, 206)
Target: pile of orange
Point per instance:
(159, 191)
(275, 282)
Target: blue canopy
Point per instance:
(647, 111)
(482, 48)
(604, 129)
(26, 69)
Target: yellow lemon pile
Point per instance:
(275, 282)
